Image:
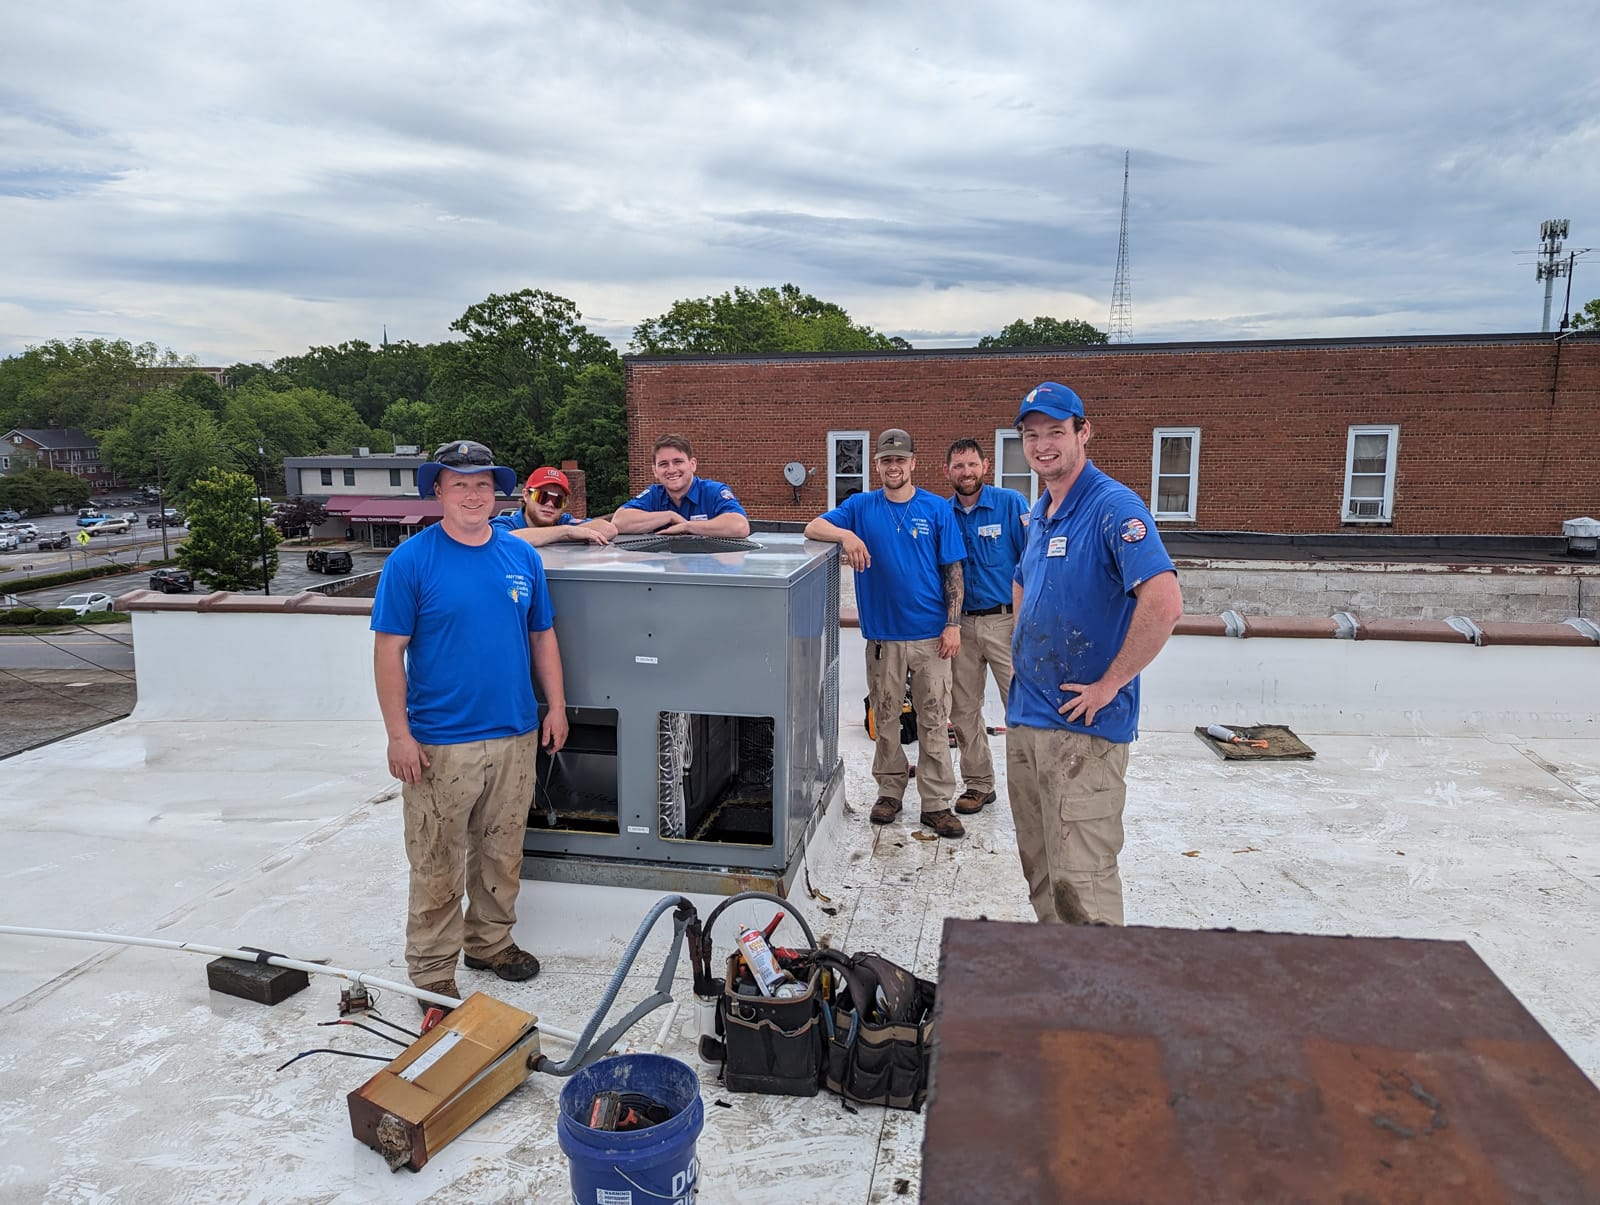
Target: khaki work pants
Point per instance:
(1067, 792)
(888, 661)
(985, 649)
(464, 827)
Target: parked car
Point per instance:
(172, 581)
(9, 602)
(9, 516)
(88, 517)
(131, 516)
(110, 527)
(60, 539)
(323, 560)
(9, 541)
(83, 604)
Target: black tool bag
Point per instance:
(768, 1044)
(771, 1045)
(878, 1030)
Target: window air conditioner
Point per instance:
(1366, 508)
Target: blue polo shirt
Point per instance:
(900, 596)
(517, 519)
(994, 531)
(468, 610)
(704, 500)
(1078, 573)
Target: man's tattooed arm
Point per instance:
(954, 583)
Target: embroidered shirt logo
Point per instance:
(1133, 531)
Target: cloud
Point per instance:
(245, 181)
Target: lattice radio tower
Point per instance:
(1121, 303)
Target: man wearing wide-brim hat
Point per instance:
(462, 615)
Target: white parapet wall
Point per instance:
(255, 665)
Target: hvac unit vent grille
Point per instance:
(688, 544)
(1366, 508)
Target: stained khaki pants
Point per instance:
(985, 649)
(887, 664)
(464, 827)
(1067, 792)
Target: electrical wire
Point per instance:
(368, 1028)
(349, 1054)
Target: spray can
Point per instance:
(758, 957)
(1220, 732)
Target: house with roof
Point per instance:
(64, 449)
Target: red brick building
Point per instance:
(1481, 435)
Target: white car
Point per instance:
(131, 516)
(84, 603)
(110, 527)
(9, 541)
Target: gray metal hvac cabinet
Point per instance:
(703, 699)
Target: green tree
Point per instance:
(406, 422)
(752, 321)
(525, 347)
(85, 383)
(133, 447)
(498, 421)
(226, 533)
(590, 425)
(1044, 332)
(40, 490)
(1588, 318)
(370, 378)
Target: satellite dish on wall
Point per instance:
(795, 473)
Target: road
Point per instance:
(102, 647)
(137, 550)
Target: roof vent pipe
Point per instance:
(1583, 536)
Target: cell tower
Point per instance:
(1550, 234)
(1121, 304)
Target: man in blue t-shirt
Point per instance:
(679, 503)
(462, 615)
(994, 526)
(1096, 597)
(906, 550)
(543, 517)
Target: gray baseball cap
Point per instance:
(894, 442)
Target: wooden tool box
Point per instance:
(445, 1081)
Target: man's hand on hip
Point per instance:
(407, 761)
(1091, 698)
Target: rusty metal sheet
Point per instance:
(1082, 1063)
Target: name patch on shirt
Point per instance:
(1057, 546)
(1133, 531)
(990, 531)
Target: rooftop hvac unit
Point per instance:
(702, 680)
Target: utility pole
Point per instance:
(161, 511)
(1121, 323)
(1550, 235)
(261, 522)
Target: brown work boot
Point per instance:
(884, 810)
(445, 987)
(944, 823)
(510, 963)
(972, 802)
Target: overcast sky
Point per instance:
(242, 181)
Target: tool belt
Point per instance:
(878, 1030)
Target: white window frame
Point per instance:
(835, 438)
(349, 478)
(1192, 434)
(1003, 435)
(1392, 431)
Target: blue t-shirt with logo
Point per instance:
(517, 519)
(1078, 573)
(468, 611)
(704, 500)
(900, 596)
(994, 530)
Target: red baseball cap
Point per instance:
(544, 478)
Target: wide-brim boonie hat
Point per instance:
(465, 456)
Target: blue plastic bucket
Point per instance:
(657, 1164)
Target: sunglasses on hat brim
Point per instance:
(462, 453)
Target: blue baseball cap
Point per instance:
(1055, 400)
